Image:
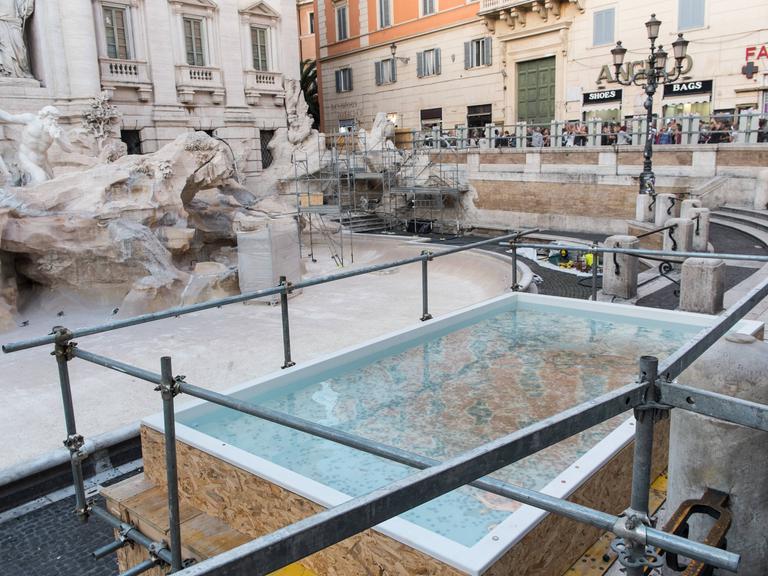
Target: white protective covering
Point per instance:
(265, 254)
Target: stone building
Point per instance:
(170, 66)
(469, 63)
(307, 26)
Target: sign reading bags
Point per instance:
(684, 88)
(601, 96)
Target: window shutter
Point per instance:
(487, 51)
(437, 61)
(420, 64)
(377, 69)
(349, 75)
(467, 55)
(338, 80)
(393, 65)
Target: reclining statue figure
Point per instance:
(40, 131)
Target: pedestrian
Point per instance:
(762, 130)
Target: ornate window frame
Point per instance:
(134, 27)
(207, 11)
(259, 15)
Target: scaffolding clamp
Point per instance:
(74, 443)
(63, 343)
(172, 388)
(429, 254)
(631, 528)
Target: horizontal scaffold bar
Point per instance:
(218, 303)
(720, 406)
(116, 365)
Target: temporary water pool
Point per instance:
(439, 389)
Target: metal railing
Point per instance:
(651, 396)
(743, 128)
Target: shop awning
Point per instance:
(689, 99)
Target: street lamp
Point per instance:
(393, 49)
(654, 73)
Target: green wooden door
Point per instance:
(536, 91)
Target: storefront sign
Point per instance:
(757, 52)
(631, 68)
(601, 96)
(685, 88)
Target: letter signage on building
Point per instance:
(685, 88)
(630, 68)
(601, 96)
(756, 52)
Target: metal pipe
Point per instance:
(218, 303)
(558, 506)
(672, 366)
(107, 549)
(641, 464)
(116, 365)
(287, 361)
(168, 389)
(133, 534)
(425, 315)
(515, 285)
(595, 260)
(74, 441)
(140, 568)
(645, 252)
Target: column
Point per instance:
(82, 56)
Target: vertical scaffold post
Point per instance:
(168, 390)
(637, 558)
(425, 315)
(595, 265)
(74, 441)
(288, 362)
(515, 285)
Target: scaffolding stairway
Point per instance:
(361, 222)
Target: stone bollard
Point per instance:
(761, 190)
(702, 285)
(700, 218)
(708, 453)
(679, 238)
(666, 207)
(620, 270)
(687, 206)
(643, 210)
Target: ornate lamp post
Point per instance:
(654, 73)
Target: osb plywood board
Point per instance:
(256, 507)
(555, 544)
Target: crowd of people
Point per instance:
(669, 131)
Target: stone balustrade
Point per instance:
(126, 73)
(191, 79)
(259, 83)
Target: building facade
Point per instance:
(170, 66)
(462, 63)
(307, 27)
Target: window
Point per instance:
(385, 13)
(311, 22)
(428, 7)
(115, 30)
(132, 139)
(193, 41)
(346, 126)
(265, 137)
(690, 14)
(259, 48)
(431, 118)
(603, 27)
(386, 71)
(344, 80)
(477, 53)
(428, 63)
(479, 116)
(342, 32)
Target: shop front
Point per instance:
(693, 97)
(603, 106)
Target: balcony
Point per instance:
(191, 79)
(258, 84)
(518, 8)
(126, 73)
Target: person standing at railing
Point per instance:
(580, 139)
(762, 130)
(624, 137)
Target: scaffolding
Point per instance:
(361, 188)
(652, 395)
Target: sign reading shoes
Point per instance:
(692, 87)
(601, 96)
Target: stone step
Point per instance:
(745, 227)
(743, 219)
(751, 212)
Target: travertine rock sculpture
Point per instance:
(121, 228)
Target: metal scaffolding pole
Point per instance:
(169, 389)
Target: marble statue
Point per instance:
(40, 131)
(14, 62)
(380, 136)
(299, 120)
